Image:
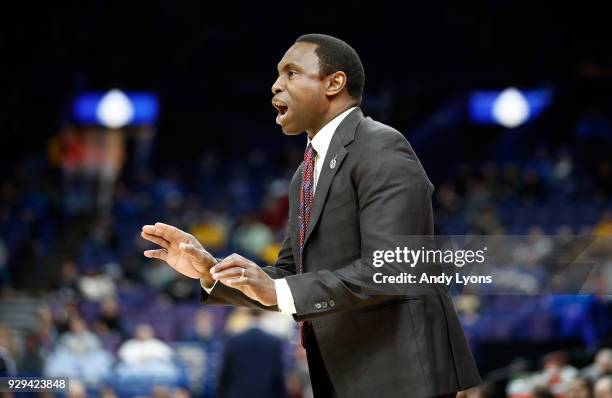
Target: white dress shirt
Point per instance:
(320, 143)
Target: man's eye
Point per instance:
(291, 73)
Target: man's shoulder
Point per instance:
(379, 145)
(374, 135)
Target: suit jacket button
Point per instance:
(331, 303)
(324, 303)
(317, 306)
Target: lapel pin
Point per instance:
(332, 163)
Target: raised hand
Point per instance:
(180, 250)
(242, 274)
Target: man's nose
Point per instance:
(277, 86)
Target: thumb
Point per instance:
(196, 253)
(188, 248)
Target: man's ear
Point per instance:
(336, 83)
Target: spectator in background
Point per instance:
(603, 387)
(556, 374)
(476, 195)
(180, 289)
(447, 199)
(64, 314)
(203, 327)
(601, 366)
(96, 286)
(252, 236)
(252, 364)
(79, 338)
(144, 347)
(108, 326)
(534, 249)
(157, 277)
(486, 221)
(144, 356)
(213, 230)
(69, 278)
(276, 205)
(579, 388)
(45, 327)
(109, 318)
(31, 362)
(208, 337)
(79, 355)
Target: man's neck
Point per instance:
(331, 116)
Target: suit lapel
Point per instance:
(336, 153)
(294, 197)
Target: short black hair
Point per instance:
(336, 55)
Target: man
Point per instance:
(252, 364)
(359, 184)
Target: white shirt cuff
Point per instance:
(284, 297)
(208, 289)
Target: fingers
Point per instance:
(150, 229)
(236, 272)
(161, 254)
(155, 239)
(165, 231)
(202, 260)
(170, 234)
(191, 250)
(234, 260)
(236, 282)
(234, 277)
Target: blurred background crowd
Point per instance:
(78, 298)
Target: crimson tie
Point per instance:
(306, 196)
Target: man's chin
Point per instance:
(288, 130)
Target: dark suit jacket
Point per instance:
(252, 366)
(372, 345)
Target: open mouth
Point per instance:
(282, 109)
